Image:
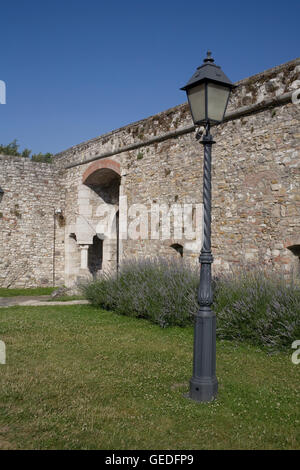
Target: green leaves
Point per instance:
(13, 150)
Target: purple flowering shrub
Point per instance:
(257, 307)
(161, 290)
(251, 305)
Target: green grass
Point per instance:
(20, 292)
(80, 378)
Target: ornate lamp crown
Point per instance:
(208, 71)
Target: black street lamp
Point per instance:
(208, 93)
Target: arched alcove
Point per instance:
(96, 225)
(178, 248)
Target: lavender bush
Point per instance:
(161, 290)
(259, 308)
(251, 306)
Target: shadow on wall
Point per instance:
(295, 249)
(95, 256)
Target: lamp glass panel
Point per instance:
(217, 97)
(196, 96)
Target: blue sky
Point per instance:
(77, 69)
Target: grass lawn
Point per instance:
(80, 378)
(33, 291)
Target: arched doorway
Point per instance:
(96, 226)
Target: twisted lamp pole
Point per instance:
(204, 384)
(208, 93)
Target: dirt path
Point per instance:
(36, 301)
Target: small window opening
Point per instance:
(178, 248)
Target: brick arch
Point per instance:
(106, 164)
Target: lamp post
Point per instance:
(208, 93)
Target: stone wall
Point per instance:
(255, 200)
(256, 172)
(32, 192)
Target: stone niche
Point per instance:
(96, 246)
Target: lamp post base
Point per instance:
(203, 390)
(204, 384)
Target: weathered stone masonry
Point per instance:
(256, 182)
(32, 192)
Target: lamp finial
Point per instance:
(208, 58)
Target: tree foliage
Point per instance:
(13, 150)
